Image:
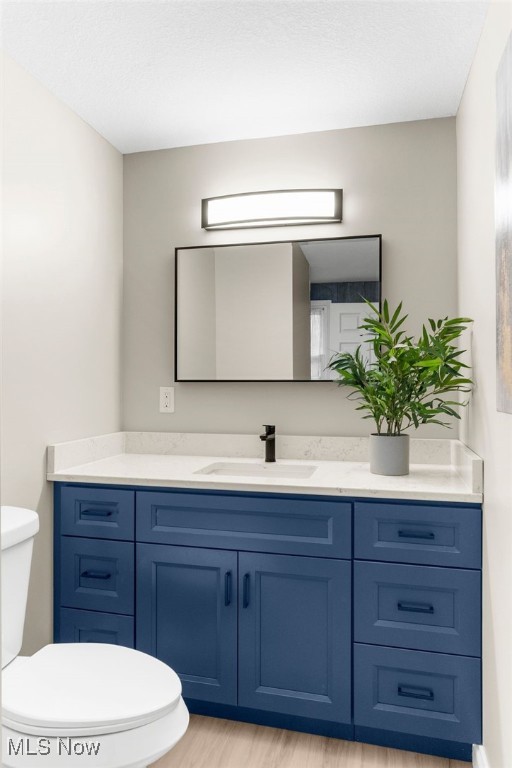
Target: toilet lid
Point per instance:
(87, 688)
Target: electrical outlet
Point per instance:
(166, 399)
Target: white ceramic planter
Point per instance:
(389, 454)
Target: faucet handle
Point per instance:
(270, 429)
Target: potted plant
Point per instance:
(405, 382)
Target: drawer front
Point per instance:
(254, 523)
(93, 627)
(425, 694)
(413, 606)
(415, 533)
(97, 575)
(104, 513)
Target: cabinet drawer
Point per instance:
(97, 575)
(93, 627)
(426, 694)
(413, 606)
(254, 523)
(104, 513)
(416, 533)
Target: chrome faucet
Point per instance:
(269, 438)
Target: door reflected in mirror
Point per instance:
(272, 311)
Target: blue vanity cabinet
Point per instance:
(353, 618)
(295, 636)
(187, 616)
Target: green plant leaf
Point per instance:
(406, 382)
(434, 363)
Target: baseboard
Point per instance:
(480, 757)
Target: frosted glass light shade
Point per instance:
(272, 209)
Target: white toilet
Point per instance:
(94, 705)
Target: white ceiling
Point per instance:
(342, 261)
(154, 74)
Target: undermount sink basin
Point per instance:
(258, 469)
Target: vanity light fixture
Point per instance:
(274, 208)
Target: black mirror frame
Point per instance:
(266, 242)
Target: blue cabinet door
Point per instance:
(187, 616)
(295, 636)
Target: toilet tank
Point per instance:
(17, 527)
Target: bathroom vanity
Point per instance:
(321, 609)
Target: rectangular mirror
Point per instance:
(272, 311)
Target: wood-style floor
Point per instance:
(213, 743)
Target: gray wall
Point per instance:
(251, 332)
(196, 315)
(398, 180)
(60, 303)
(301, 308)
(484, 429)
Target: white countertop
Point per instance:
(114, 460)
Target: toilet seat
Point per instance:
(87, 689)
